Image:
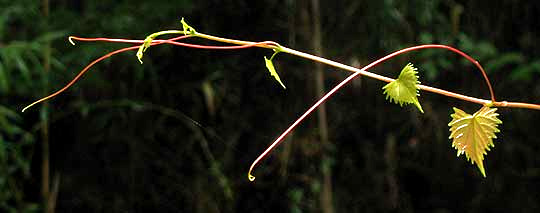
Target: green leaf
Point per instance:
(404, 90)
(270, 67)
(473, 134)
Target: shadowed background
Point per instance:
(178, 133)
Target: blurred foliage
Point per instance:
(21, 77)
(178, 133)
(15, 162)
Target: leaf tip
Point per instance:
(482, 170)
(417, 103)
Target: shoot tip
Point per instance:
(26, 107)
(251, 177)
(70, 38)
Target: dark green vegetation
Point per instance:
(178, 133)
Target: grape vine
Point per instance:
(472, 135)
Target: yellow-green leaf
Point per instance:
(147, 41)
(474, 134)
(186, 28)
(404, 90)
(272, 70)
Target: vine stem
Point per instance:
(275, 46)
(83, 71)
(386, 79)
(154, 42)
(363, 71)
(492, 100)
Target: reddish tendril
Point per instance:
(154, 42)
(173, 42)
(342, 83)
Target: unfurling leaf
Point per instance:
(186, 28)
(147, 41)
(272, 70)
(404, 90)
(473, 134)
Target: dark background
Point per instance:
(179, 133)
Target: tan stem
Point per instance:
(373, 75)
(422, 87)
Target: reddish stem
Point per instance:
(472, 60)
(218, 47)
(81, 73)
(342, 83)
(154, 42)
(173, 42)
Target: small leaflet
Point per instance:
(404, 90)
(272, 70)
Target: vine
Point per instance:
(472, 135)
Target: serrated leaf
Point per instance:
(474, 134)
(404, 90)
(272, 70)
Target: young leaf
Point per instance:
(147, 41)
(473, 134)
(404, 90)
(270, 67)
(186, 28)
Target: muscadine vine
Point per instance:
(471, 135)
